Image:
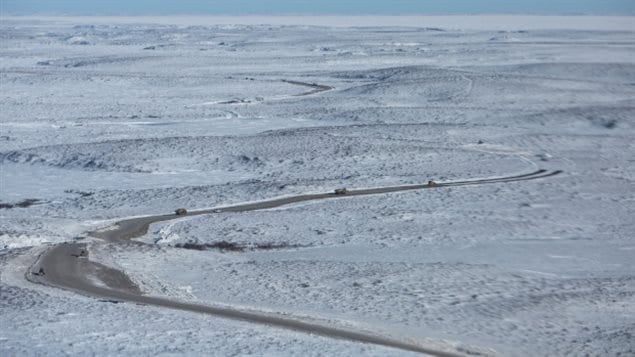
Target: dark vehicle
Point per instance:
(432, 183)
(340, 191)
(180, 211)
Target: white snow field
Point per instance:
(105, 119)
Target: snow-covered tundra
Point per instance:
(106, 121)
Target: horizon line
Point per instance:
(62, 14)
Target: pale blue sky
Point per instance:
(317, 7)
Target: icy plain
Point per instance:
(112, 120)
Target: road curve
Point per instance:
(65, 267)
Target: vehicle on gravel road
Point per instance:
(340, 191)
(180, 211)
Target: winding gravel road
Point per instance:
(64, 267)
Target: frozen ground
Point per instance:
(49, 322)
(105, 121)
